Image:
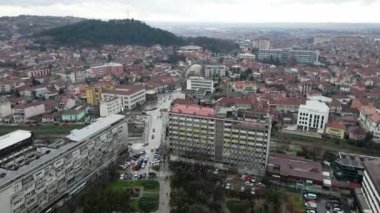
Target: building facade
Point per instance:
(5, 108)
(313, 116)
(131, 95)
(107, 69)
(64, 168)
(22, 112)
(282, 56)
(230, 139)
(93, 95)
(371, 184)
(215, 71)
(370, 120)
(195, 83)
(112, 106)
(261, 44)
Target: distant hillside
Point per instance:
(97, 32)
(26, 25)
(119, 32)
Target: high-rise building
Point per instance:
(93, 94)
(131, 95)
(313, 116)
(371, 184)
(106, 69)
(226, 137)
(282, 56)
(215, 71)
(34, 178)
(261, 44)
(370, 121)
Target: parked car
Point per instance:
(228, 186)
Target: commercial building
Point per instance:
(196, 83)
(371, 185)
(111, 106)
(228, 138)
(215, 71)
(282, 56)
(23, 112)
(56, 171)
(106, 69)
(370, 120)
(313, 116)
(261, 44)
(131, 95)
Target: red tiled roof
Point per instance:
(193, 109)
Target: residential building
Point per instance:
(313, 116)
(111, 106)
(282, 56)
(370, 120)
(23, 112)
(215, 71)
(195, 83)
(261, 44)
(106, 69)
(190, 49)
(335, 129)
(55, 172)
(224, 137)
(371, 184)
(94, 94)
(5, 108)
(131, 95)
(75, 114)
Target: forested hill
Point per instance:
(97, 32)
(119, 32)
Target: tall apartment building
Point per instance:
(131, 95)
(370, 121)
(313, 116)
(371, 185)
(283, 55)
(56, 171)
(196, 83)
(224, 137)
(261, 44)
(5, 108)
(215, 71)
(111, 106)
(94, 94)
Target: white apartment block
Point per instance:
(22, 112)
(370, 121)
(227, 139)
(282, 55)
(195, 83)
(261, 44)
(131, 95)
(63, 168)
(109, 107)
(5, 108)
(215, 71)
(371, 185)
(313, 116)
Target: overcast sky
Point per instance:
(242, 11)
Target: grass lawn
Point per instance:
(150, 199)
(148, 185)
(41, 130)
(234, 205)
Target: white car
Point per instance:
(247, 183)
(143, 166)
(122, 177)
(253, 191)
(228, 186)
(216, 171)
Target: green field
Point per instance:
(149, 200)
(234, 206)
(41, 130)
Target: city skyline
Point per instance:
(228, 11)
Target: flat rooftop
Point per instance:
(78, 135)
(193, 109)
(315, 106)
(14, 138)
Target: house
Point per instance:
(356, 133)
(335, 129)
(75, 114)
(23, 112)
(370, 120)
